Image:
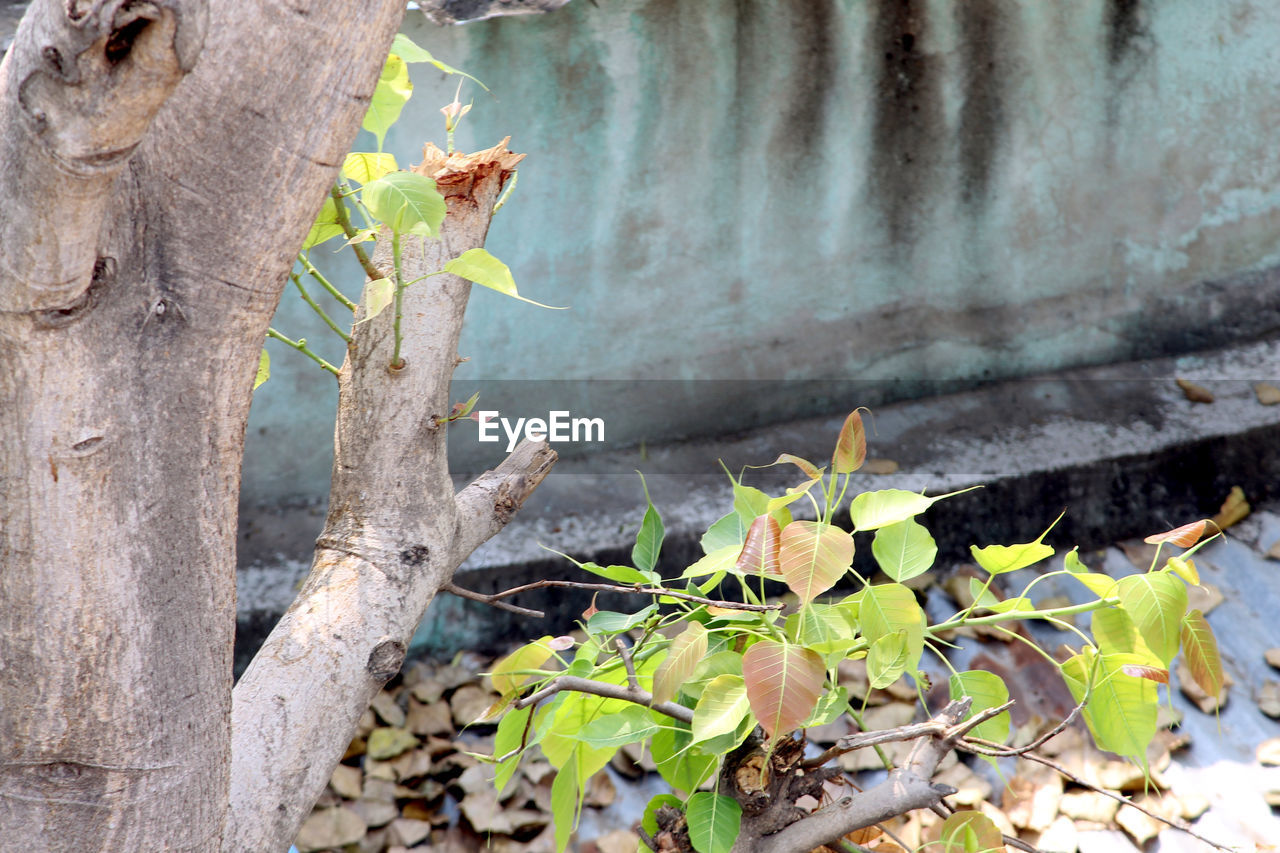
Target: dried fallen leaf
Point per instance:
(1268, 394)
(1269, 699)
(1195, 393)
(880, 466)
(1273, 553)
(1235, 508)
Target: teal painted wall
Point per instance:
(914, 192)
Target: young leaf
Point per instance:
(378, 294)
(722, 707)
(887, 659)
(680, 764)
(566, 804)
(1151, 673)
(810, 470)
(511, 729)
(649, 537)
(783, 684)
(610, 622)
(1156, 601)
(363, 166)
(1099, 584)
(998, 559)
(650, 820)
(621, 574)
(504, 675)
(687, 649)
(759, 554)
(873, 510)
(721, 560)
(970, 832)
(632, 724)
(264, 369)
(824, 628)
(326, 225)
(723, 532)
(389, 97)
(407, 202)
(988, 691)
(1121, 712)
(714, 821)
(851, 446)
(904, 550)
(813, 556)
(410, 51)
(477, 265)
(1185, 569)
(1184, 536)
(889, 607)
(1114, 631)
(1200, 648)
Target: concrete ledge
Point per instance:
(1120, 448)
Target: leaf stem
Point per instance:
(325, 283)
(396, 361)
(306, 297)
(301, 346)
(997, 618)
(338, 192)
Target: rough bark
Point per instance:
(153, 204)
(394, 532)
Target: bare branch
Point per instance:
(911, 731)
(625, 654)
(462, 592)
(637, 589)
(608, 691)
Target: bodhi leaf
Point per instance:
(988, 691)
(904, 550)
(783, 684)
(566, 804)
(389, 97)
(511, 729)
(508, 674)
(378, 294)
(629, 725)
(1184, 536)
(726, 531)
(1200, 648)
(873, 510)
(364, 167)
(682, 766)
(480, 267)
(1121, 712)
(410, 51)
(851, 446)
(650, 820)
(687, 649)
(1156, 601)
(264, 369)
(721, 560)
(810, 470)
(1099, 584)
(998, 559)
(970, 832)
(1113, 631)
(889, 607)
(326, 225)
(759, 554)
(407, 202)
(813, 556)
(722, 707)
(714, 821)
(887, 659)
(650, 535)
(621, 574)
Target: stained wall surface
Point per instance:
(903, 193)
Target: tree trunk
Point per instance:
(153, 206)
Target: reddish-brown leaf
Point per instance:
(1184, 536)
(784, 683)
(813, 556)
(1150, 673)
(851, 446)
(810, 470)
(760, 550)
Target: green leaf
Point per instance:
(264, 369)
(650, 820)
(998, 559)
(511, 728)
(873, 510)
(904, 550)
(722, 707)
(887, 659)
(970, 832)
(1200, 648)
(649, 538)
(721, 560)
(609, 622)
(681, 765)
(326, 225)
(988, 691)
(687, 649)
(1099, 584)
(407, 202)
(477, 265)
(886, 608)
(363, 166)
(506, 674)
(1156, 601)
(824, 628)
(622, 574)
(378, 294)
(559, 739)
(1121, 712)
(812, 556)
(851, 446)
(1113, 631)
(566, 804)
(709, 668)
(726, 531)
(783, 684)
(630, 725)
(389, 97)
(714, 821)
(830, 708)
(410, 51)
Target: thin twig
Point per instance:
(608, 691)
(338, 193)
(325, 283)
(962, 728)
(462, 592)
(301, 346)
(637, 589)
(306, 297)
(625, 654)
(967, 744)
(912, 731)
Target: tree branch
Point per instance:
(609, 691)
(637, 589)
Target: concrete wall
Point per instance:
(897, 191)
